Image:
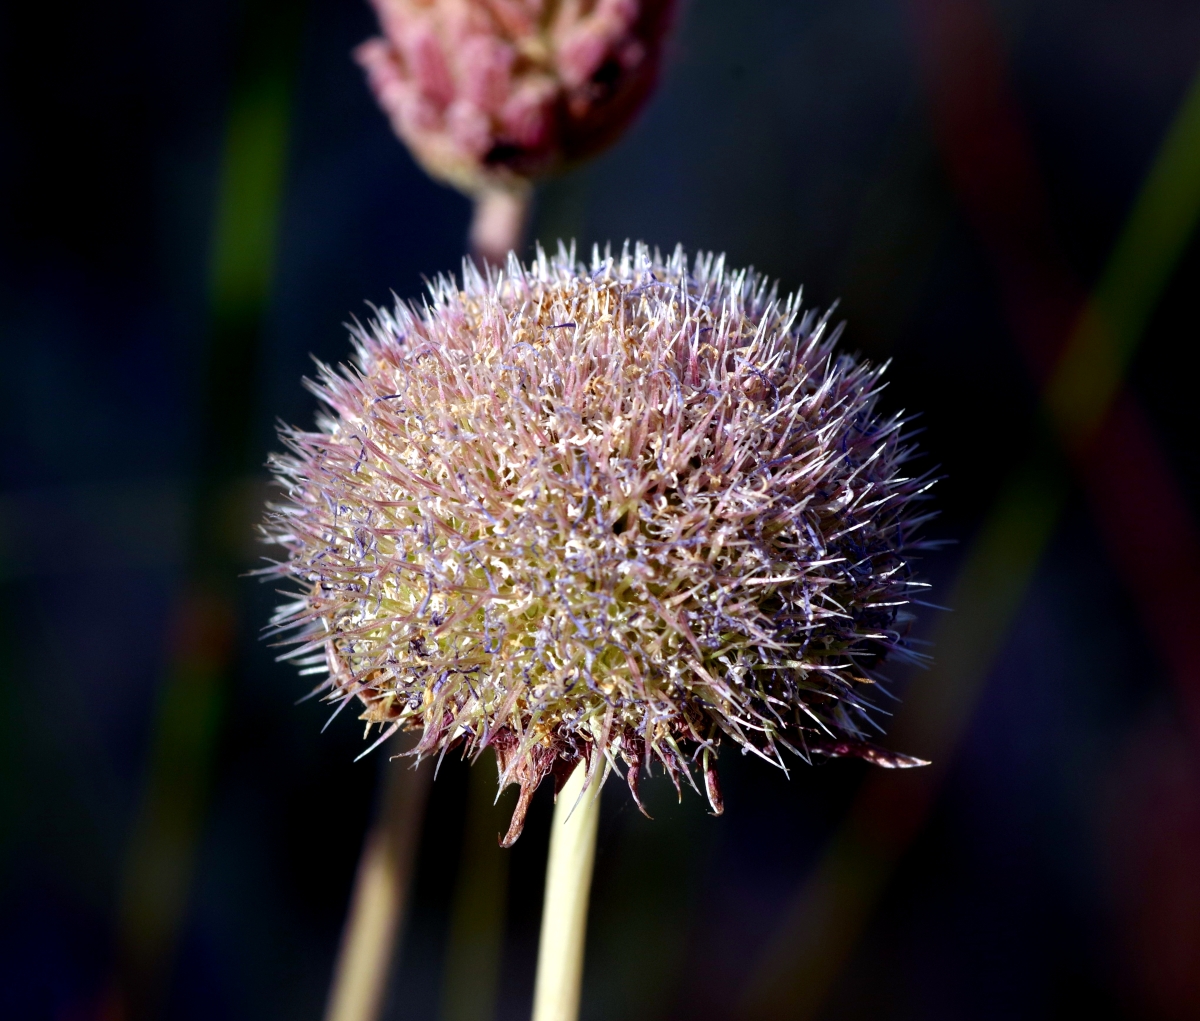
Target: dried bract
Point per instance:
(614, 513)
(488, 93)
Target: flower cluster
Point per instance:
(492, 92)
(612, 513)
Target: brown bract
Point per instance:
(617, 513)
(489, 93)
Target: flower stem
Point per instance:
(380, 890)
(498, 225)
(564, 912)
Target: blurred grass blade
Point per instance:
(830, 910)
(1158, 229)
(185, 727)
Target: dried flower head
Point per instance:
(491, 92)
(611, 514)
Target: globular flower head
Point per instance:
(618, 513)
(488, 93)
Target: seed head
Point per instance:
(488, 93)
(614, 513)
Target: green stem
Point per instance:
(564, 912)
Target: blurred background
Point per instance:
(1001, 194)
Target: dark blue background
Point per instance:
(796, 136)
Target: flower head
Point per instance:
(614, 513)
(491, 92)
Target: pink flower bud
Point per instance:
(486, 93)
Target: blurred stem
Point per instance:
(380, 891)
(564, 911)
(476, 942)
(499, 222)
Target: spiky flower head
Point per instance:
(488, 93)
(613, 513)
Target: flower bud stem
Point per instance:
(564, 912)
(498, 225)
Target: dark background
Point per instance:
(956, 173)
